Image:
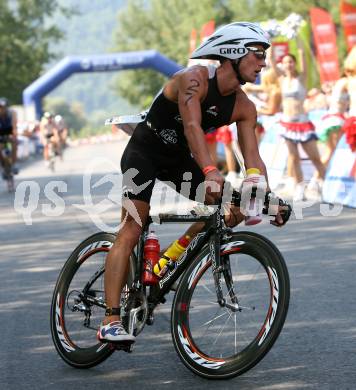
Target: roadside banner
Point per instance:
(282, 45)
(193, 41)
(340, 181)
(206, 30)
(280, 49)
(348, 21)
(325, 42)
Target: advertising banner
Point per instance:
(193, 41)
(325, 43)
(280, 49)
(348, 20)
(340, 181)
(206, 30)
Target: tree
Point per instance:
(165, 25)
(24, 40)
(73, 114)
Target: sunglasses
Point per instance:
(259, 53)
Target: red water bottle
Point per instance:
(151, 256)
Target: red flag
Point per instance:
(348, 20)
(207, 29)
(279, 49)
(325, 42)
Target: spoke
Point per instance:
(211, 323)
(235, 333)
(223, 327)
(214, 319)
(208, 289)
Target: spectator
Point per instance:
(295, 126)
(48, 133)
(316, 100)
(333, 121)
(62, 133)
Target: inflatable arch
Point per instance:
(34, 93)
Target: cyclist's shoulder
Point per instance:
(197, 72)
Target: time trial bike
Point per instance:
(228, 309)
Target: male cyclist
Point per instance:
(170, 142)
(48, 133)
(62, 132)
(8, 127)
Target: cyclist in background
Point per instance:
(48, 133)
(62, 133)
(8, 127)
(170, 145)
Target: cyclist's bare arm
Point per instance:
(188, 89)
(192, 89)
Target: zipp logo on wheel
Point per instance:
(274, 305)
(199, 359)
(95, 245)
(60, 333)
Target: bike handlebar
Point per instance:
(270, 200)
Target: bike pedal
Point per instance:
(126, 346)
(150, 319)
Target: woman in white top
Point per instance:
(295, 125)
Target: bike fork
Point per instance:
(221, 266)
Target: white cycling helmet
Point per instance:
(230, 41)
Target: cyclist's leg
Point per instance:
(45, 150)
(14, 148)
(1, 156)
(57, 144)
(116, 266)
(138, 181)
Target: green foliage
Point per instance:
(24, 42)
(89, 130)
(165, 25)
(73, 114)
(90, 31)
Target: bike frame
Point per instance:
(5, 148)
(212, 235)
(6, 160)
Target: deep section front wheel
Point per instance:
(78, 303)
(225, 340)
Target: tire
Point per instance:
(8, 175)
(83, 272)
(216, 342)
